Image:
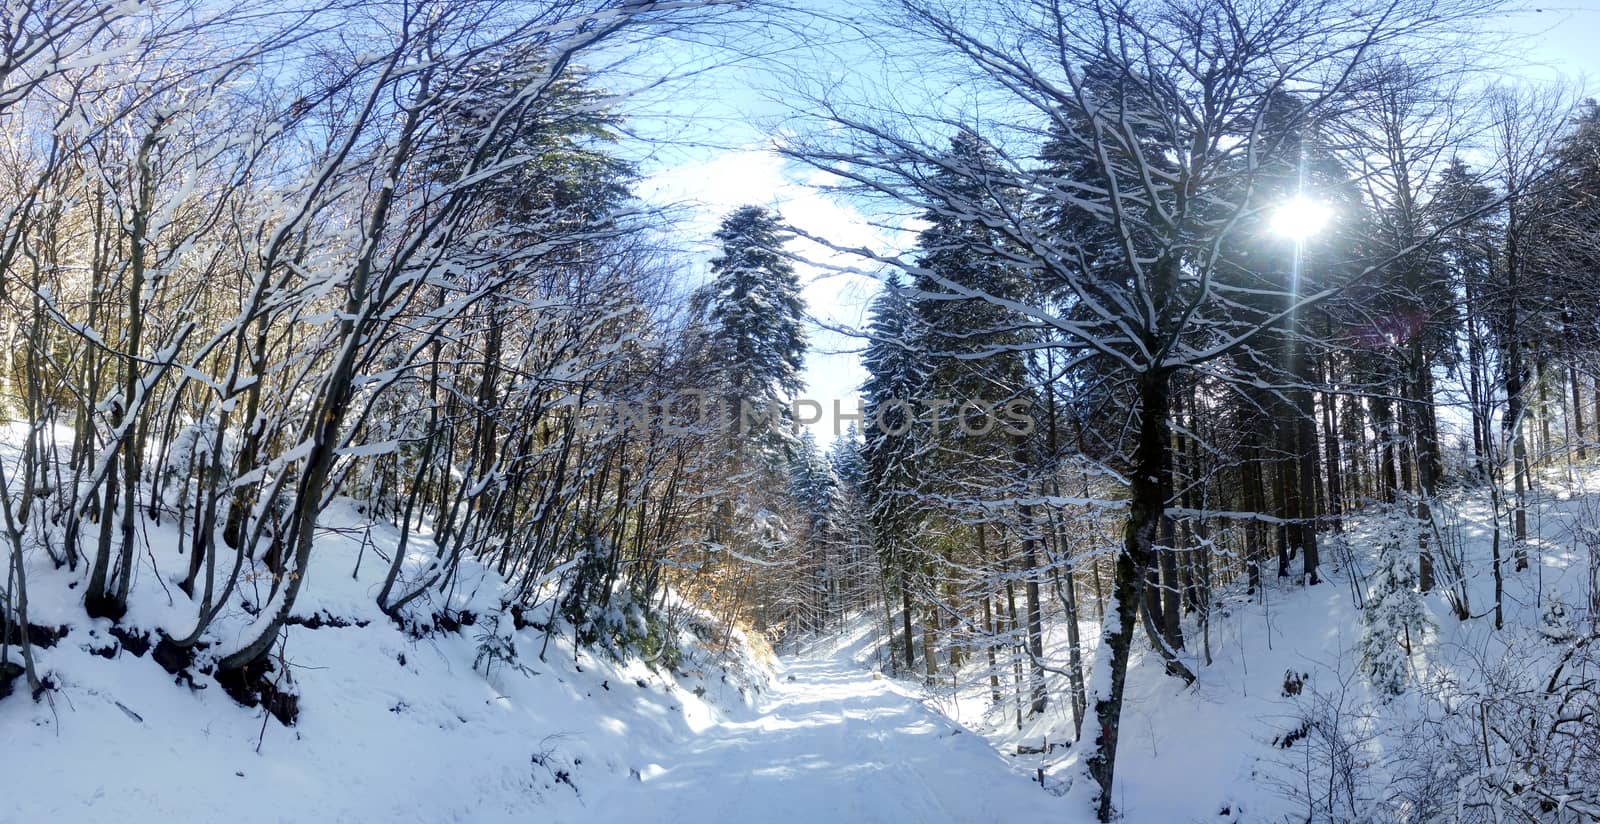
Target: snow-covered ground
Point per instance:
(1227, 748)
(394, 727)
(397, 726)
(836, 743)
(831, 742)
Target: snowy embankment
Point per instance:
(398, 725)
(1283, 724)
(393, 725)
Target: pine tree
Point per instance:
(849, 465)
(1395, 617)
(976, 350)
(816, 492)
(813, 483)
(752, 314)
(897, 372)
(859, 569)
(1461, 211)
(757, 336)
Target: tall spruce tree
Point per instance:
(757, 333)
(896, 374)
(816, 494)
(753, 316)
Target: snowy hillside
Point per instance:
(483, 717)
(429, 726)
(1283, 723)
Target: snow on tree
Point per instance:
(896, 374)
(1169, 306)
(1556, 620)
(1395, 619)
(757, 333)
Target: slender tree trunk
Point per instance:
(1383, 421)
(1309, 477)
(1515, 412)
(1282, 475)
(1332, 459)
(1254, 488)
(1425, 439)
(1015, 624)
(989, 627)
(905, 620)
(1171, 589)
(1542, 380)
(1030, 557)
(1580, 448)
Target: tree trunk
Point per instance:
(1383, 423)
(1542, 379)
(1309, 477)
(1426, 440)
(1146, 506)
(1254, 488)
(1515, 412)
(1332, 460)
(1581, 448)
(1030, 557)
(905, 619)
(988, 627)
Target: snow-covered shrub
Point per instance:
(1395, 616)
(607, 614)
(496, 647)
(586, 600)
(1328, 751)
(1555, 621)
(1520, 738)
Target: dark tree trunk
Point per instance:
(905, 618)
(1581, 447)
(1332, 459)
(1254, 495)
(1383, 422)
(1281, 474)
(1030, 557)
(1147, 504)
(1515, 373)
(1309, 477)
(1542, 379)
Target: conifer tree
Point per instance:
(757, 336)
(753, 316)
(896, 375)
(1395, 617)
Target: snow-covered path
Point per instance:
(835, 746)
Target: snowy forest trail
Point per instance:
(837, 745)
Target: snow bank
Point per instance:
(393, 726)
